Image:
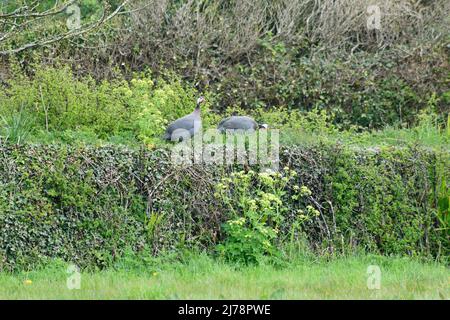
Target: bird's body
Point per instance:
(185, 127)
(238, 123)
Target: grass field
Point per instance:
(201, 277)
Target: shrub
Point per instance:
(170, 100)
(256, 202)
(293, 54)
(60, 102)
(88, 205)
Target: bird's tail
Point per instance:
(167, 136)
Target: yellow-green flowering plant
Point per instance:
(255, 202)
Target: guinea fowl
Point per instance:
(239, 123)
(186, 126)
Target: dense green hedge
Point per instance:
(89, 204)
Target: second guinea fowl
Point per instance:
(239, 123)
(186, 126)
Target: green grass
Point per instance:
(201, 277)
(431, 132)
(388, 137)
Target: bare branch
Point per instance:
(28, 13)
(72, 33)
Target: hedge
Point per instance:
(88, 204)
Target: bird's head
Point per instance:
(263, 126)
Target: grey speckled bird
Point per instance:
(186, 126)
(239, 123)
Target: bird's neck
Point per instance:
(197, 108)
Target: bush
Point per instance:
(58, 101)
(54, 101)
(257, 205)
(170, 100)
(89, 205)
(352, 93)
(298, 55)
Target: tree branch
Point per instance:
(72, 33)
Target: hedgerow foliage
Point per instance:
(53, 100)
(88, 205)
(294, 54)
